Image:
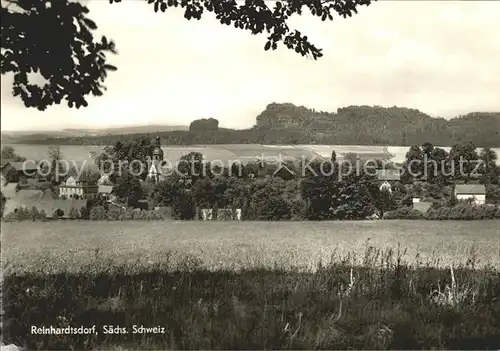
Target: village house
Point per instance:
(471, 192)
(75, 187)
(155, 171)
(45, 200)
(14, 171)
(53, 208)
(421, 206)
(9, 190)
(277, 170)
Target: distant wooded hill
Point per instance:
(353, 125)
(19, 136)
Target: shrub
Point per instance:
(464, 211)
(34, 214)
(42, 215)
(391, 306)
(114, 214)
(137, 214)
(129, 214)
(22, 214)
(97, 213)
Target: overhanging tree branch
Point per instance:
(55, 39)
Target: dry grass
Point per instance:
(232, 245)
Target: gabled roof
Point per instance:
(422, 206)
(470, 189)
(19, 166)
(28, 195)
(49, 206)
(105, 189)
(9, 190)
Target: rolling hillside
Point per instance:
(290, 124)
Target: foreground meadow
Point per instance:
(385, 304)
(73, 245)
(216, 285)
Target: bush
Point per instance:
(464, 211)
(129, 214)
(275, 209)
(74, 213)
(34, 214)
(42, 215)
(404, 213)
(391, 306)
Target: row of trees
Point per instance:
(353, 125)
(320, 194)
(462, 163)
(314, 197)
(461, 211)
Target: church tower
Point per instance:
(156, 162)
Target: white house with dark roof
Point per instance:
(387, 177)
(476, 192)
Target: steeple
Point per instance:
(157, 151)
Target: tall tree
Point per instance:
(463, 160)
(57, 168)
(9, 153)
(74, 63)
(489, 169)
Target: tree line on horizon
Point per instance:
(290, 124)
(313, 196)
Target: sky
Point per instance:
(441, 57)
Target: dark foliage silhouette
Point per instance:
(55, 39)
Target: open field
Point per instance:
(386, 304)
(73, 245)
(80, 153)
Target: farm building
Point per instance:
(76, 186)
(221, 214)
(156, 168)
(421, 206)
(9, 190)
(43, 201)
(13, 171)
(387, 178)
(105, 191)
(474, 192)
